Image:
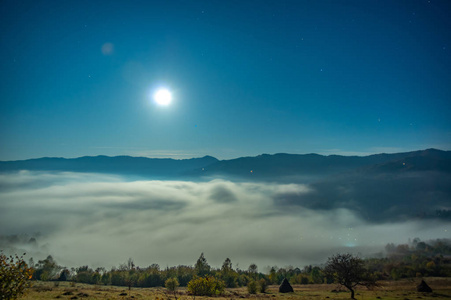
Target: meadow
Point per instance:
(404, 289)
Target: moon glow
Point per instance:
(162, 97)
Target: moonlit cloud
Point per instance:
(102, 220)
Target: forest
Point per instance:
(416, 259)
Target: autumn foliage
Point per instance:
(206, 286)
(15, 276)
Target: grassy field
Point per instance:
(399, 290)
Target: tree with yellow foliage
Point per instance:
(15, 276)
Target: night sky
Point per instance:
(247, 77)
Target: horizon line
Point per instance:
(325, 153)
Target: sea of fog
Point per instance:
(102, 220)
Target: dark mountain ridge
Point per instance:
(124, 165)
(278, 167)
(287, 166)
(426, 160)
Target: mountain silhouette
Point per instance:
(380, 187)
(277, 167)
(163, 168)
(291, 167)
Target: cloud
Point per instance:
(103, 220)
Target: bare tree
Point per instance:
(348, 271)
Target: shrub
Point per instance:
(263, 285)
(15, 276)
(172, 284)
(206, 286)
(252, 287)
(304, 280)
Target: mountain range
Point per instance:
(276, 167)
(380, 187)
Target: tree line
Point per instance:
(417, 259)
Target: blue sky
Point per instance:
(247, 77)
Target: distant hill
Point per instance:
(287, 167)
(123, 165)
(426, 160)
(277, 167)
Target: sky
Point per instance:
(77, 78)
(246, 77)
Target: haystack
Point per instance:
(285, 287)
(424, 287)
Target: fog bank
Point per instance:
(102, 220)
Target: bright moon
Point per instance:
(162, 97)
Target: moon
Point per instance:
(162, 97)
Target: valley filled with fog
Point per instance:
(104, 219)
